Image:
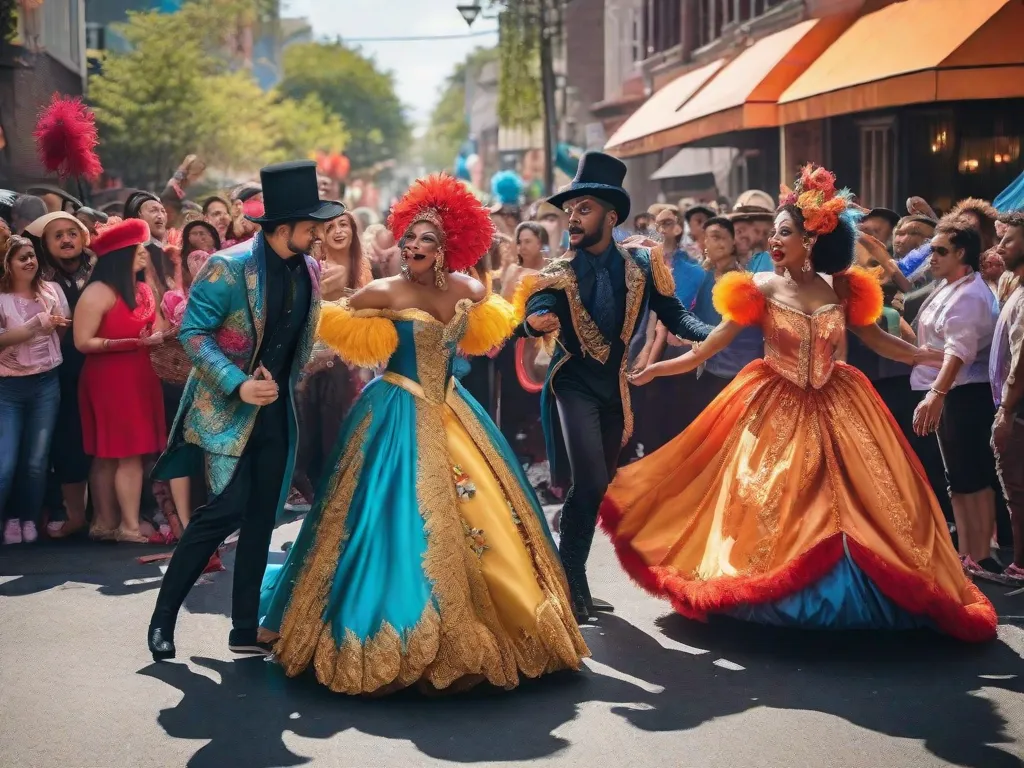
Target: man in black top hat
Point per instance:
(249, 329)
(596, 298)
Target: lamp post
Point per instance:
(545, 15)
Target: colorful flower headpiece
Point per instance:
(815, 194)
(444, 201)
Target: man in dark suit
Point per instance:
(596, 298)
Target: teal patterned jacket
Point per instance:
(221, 333)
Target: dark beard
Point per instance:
(294, 248)
(591, 239)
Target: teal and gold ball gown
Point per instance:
(426, 558)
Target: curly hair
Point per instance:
(983, 211)
(962, 235)
(1013, 219)
(833, 251)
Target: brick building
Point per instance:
(917, 96)
(46, 56)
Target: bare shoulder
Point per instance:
(768, 283)
(98, 296)
(466, 287)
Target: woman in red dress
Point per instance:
(119, 393)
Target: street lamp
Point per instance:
(469, 12)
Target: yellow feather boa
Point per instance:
(490, 324)
(364, 340)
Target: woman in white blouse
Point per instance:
(959, 319)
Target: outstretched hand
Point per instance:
(640, 377)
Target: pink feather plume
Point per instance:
(66, 139)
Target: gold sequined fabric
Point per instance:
(795, 462)
(498, 608)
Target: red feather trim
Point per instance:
(736, 297)
(862, 293)
(121, 234)
(467, 226)
(914, 593)
(66, 139)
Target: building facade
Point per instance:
(706, 98)
(47, 56)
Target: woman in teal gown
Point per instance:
(426, 558)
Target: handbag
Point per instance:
(170, 362)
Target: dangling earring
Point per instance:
(807, 265)
(405, 270)
(440, 278)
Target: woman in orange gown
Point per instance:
(794, 498)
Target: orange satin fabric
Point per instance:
(796, 452)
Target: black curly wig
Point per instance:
(832, 252)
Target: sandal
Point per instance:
(122, 537)
(102, 534)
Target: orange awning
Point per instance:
(912, 52)
(659, 113)
(744, 94)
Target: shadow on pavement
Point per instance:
(908, 685)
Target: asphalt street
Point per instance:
(80, 691)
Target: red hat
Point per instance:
(117, 234)
(444, 201)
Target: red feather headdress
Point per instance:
(444, 201)
(66, 139)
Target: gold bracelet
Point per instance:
(939, 391)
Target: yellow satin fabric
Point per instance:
(506, 565)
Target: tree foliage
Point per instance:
(176, 92)
(350, 85)
(449, 128)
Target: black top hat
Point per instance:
(290, 193)
(52, 189)
(884, 213)
(600, 176)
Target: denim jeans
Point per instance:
(28, 413)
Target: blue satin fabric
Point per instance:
(845, 598)
(379, 575)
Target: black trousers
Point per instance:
(249, 502)
(592, 430)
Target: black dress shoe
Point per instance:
(244, 641)
(597, 605)
(161, 644)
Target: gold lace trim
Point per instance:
(559, 632)
(303, 624)
(559, 275)
(635, 283)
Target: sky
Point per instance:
(420, 67)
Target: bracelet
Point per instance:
(939, 391)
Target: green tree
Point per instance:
(351, 86)
(174, 93)
(448, 128)
(149, 102)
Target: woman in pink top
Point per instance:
(32, 313)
